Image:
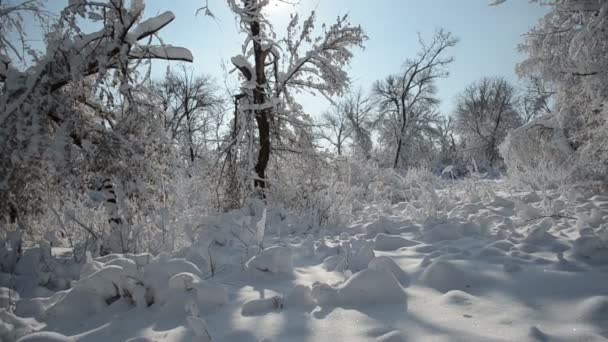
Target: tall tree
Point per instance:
(359, 110)
(335, 128)
(402, 97)
(269, 79)
(485, 113)
(193, 109)
(350, 118)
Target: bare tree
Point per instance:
(485, 113)
(335, 127)
(359, 112)
(536, 98)
(193, 109)
(350, 119)
(402, 96)
(446, 141)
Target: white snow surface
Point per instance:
(485, 267)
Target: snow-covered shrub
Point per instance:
(569, 48)
(422, 185)
(311, 187)
(368, 287)
(538, 154)
(274, 260)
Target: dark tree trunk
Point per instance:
(399, 144)
(261, 115)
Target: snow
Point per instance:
(275, 259)
(151, 25)
(367, 287)
(162, 52)
(479, 271)
(386, 242)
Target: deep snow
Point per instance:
(486, 266)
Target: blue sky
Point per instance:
(488, 36)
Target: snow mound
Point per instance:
(199, 326)
(458, 298)
(13, 327)
(386, 242)
(367, 287)
(393, 336)
(591, 247)
(129, 266)
(75, 304)
(334, 263)
(258, 307)
(526, 212)
(387, 264)
(510, 266)
(450, 231)
(106, 282)
(323, 250)
(505, 245)
(594, 310)
(90, 266)
(157, 275)
(92, 294)
(491, 252)
(444, 276)
(537, 335)
(359, 254)
(538, 232)
(194, 256)
(36, 307)
(46, 336)
(139, 259)
(307, 247)
(208, 294)
(275, 259)
(383, 225)
(300, 298)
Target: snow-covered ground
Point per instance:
(487, 264)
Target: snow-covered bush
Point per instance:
(538, 154)
(79, 119)
(569, 48)
(372, 286)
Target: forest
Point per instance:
(142, 199)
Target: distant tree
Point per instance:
(349, 119)
(359, 111)
(446, 140)
(405, 98)
(192, 106)
(485, 113)
(335, 128)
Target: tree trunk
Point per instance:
(261, 115)
(399, 143)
